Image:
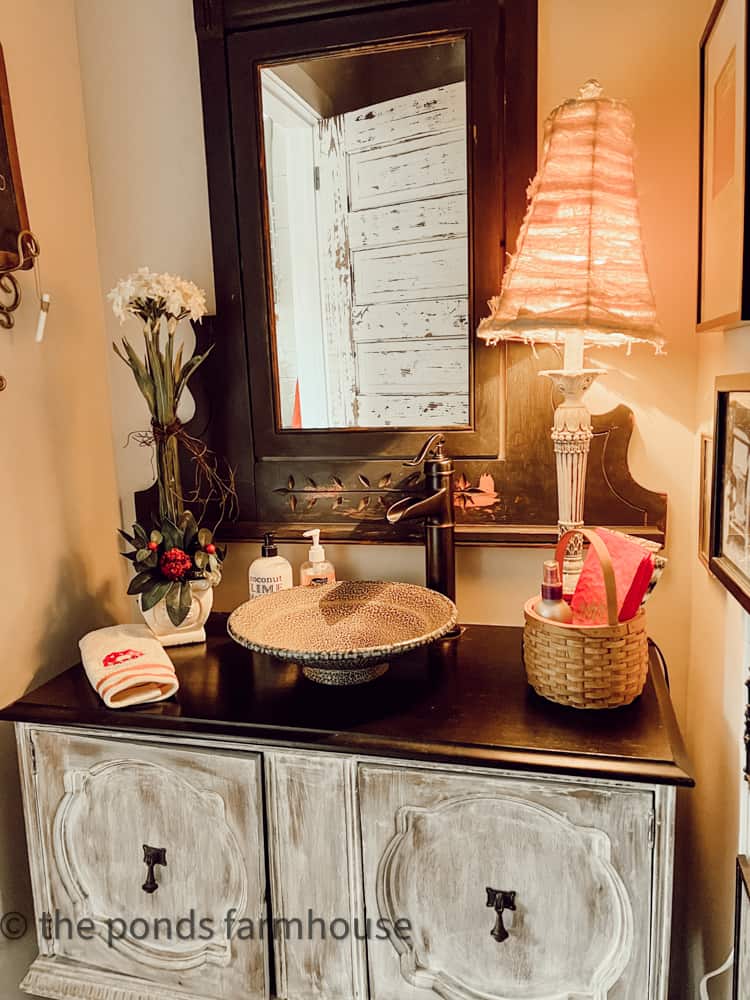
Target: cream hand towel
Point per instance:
(126, 665)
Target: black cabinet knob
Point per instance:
(153, 856)
(500, 900)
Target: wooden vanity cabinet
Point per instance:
(370, 866)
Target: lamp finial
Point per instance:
(591, 90)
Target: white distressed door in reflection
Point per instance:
(367, 209)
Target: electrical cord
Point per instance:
(703, 988)
(663, 662)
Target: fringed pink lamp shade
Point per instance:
(579, 265)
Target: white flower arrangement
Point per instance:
(151, 296)
(160, 301)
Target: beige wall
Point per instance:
(58, 505)
(719, 661)
(145, 136)
(139, 66)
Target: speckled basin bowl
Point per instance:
(343, 633)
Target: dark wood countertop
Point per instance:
(464, 701)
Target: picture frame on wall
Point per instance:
(741, 975)
(724, 223)
(14, 219)
(729, 540)
(704, 499)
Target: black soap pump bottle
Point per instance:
(552, 605)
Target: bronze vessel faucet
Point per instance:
(437, 510)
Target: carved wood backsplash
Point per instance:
(513, 497)
(509, 501)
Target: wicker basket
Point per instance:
(587, 666)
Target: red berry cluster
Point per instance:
(175, 563)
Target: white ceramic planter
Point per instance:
(192, 629)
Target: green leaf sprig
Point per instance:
(167, 559)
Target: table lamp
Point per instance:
(578, 276)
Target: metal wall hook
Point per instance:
(28, 250)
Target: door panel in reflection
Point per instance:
(369, 239)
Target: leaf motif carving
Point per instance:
(337, 503)
(311, 483)
(385, 481)
(311, 503)
(364, 480)
(292, 503)
(363, 504)
(290, 483)
(337, 484)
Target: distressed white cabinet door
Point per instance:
(98, 803)
(392, 214)
(316, 877)
(577, 857)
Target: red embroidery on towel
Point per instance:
(120, 656)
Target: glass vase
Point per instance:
(168, 477)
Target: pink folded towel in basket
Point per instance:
(126, 665)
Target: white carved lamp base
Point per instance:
(571, 436)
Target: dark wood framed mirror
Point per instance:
(407, 183)
(367, 167)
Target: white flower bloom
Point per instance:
(159, 295)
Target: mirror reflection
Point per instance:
(366, 179)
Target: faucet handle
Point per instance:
(434, 443)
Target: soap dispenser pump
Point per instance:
(271, 572)
(317, 570)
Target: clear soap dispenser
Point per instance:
(317, 570)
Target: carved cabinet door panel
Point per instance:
(506, 889)
(145, 851)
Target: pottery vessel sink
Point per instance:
(343, 633)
